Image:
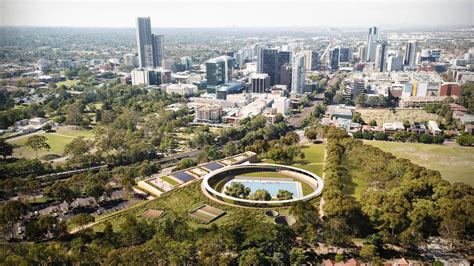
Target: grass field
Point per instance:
(182, 200)
(57, 140)
(313, 161)
(455, 163)
(67, 83)
(385, 115)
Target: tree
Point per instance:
(6, 149)
(229, 149)
(185, 163)
(47, 127)
(60, 191)
(82, 219)
(381, 136)
(465, 140)
(78, 148)
(12, 212)
(360, 100)
(253, 256)
(357, 118)
(373, 123)
(94, 189)
(336, 231)
(37, 142)
(284, 195)
(368, 252)
(297, 256)
(311, 133)
(261, 194)
(237, 190)
(338, 98)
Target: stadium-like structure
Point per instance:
(226, 174)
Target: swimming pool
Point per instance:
(272, 186)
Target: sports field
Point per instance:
(386, 115)
(455, 163)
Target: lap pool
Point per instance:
(272, 186)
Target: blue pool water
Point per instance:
(271, 186)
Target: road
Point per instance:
(25, 136)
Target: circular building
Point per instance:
(302, 185)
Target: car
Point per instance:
(99, 212)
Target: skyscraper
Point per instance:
(158, 42)
(298, 73)
(334, 58)
(150, 47)
(314, 60)
(410, 54)
(372, 43)
(380, 56)
(270, 61)
(144, 42)
(362, 53)
(308, 58)
(344, 54)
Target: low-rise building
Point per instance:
(393, 127)
(181, 89)
(434, 129)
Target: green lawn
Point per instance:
(67, 83)
(169, 180)
(57, 140)
(73, 132)
(313, 161)
(455, 163)
(182, 200)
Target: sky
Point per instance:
(240, 13)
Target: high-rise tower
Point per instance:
(372, 43)
(144, 42)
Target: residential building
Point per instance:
(158, 42)
(209, 113)
(354, 88)
(130, 60)
(298, 74)
(450, 89)
(395, 62)
(314, 60)
(260, 83)
(394, 127)
(372, 39)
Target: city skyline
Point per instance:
(302, 13)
